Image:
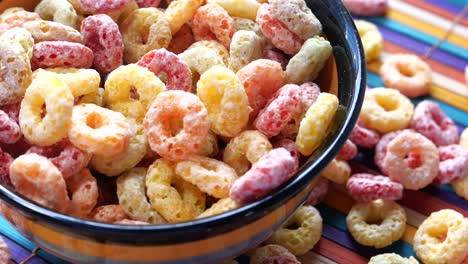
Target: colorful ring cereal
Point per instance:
(453, 164)
(47, 127)
(442, 238)
(215, 45)
(132, 197)
(210, 148)
(211, 176)
(225, 99)
(148, 3)
(60, 11)
(464, 138)
(181, 40)
(84, 193)
(297, 17)
(17, 19)
(348, 151)
(392, 227)
(52, 31)
(5, 162)
(165, 136)
(314, 126)
(309, 61)
(267, 174)
(98, 6)
(366, 7)
(172, 197)
(302, 239)
(365, 187)
(372, 40)
(11, 131)
(101, 34)
(144, 30)
(241, 8)
(249, 25)
(19, 36)
(221, 206)
(98, 130)
(180, 12)
(264, 253)
(201, 58)
(61, 53)
(431, 121)
(290, 146)
(4, 252)
(412, 177)
(179, 76)
(108, 214)
(246, 46)
(363, 136)
(131, 89)
(246, 149)
(407, 73)
(277, 32)
(37, 179)
(381, 149)
(319, 191)
(386, 110)
(461, 187)
(337, 171)
(392, 258)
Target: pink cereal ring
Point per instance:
(381, 149)
(431, 121)
(12, 110)
(453, 164)
(348, 151)
(366, 7)
(277, 32)
(212, 22)
(101, 34)
(364, 187)
(179, 76)
(290, 146)
(168, 139)
(10, 131)
(48, 54)
(148, 3)
(98, 6)
(265, 176)
(279, 110)
(364, 137)
(277, 56)
(5, 162)
(319, 191)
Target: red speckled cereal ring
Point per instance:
(366, 7)
(381, 149)
(290, 146)
(364, 137)
(348, 151)
(453, 164)
(365, 187)
(10, 130)
(61, 53)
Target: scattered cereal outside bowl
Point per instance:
(165, 171)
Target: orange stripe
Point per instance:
(337, 253)
(440, 12)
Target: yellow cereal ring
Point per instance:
(461, 187)
(392, 227)
(45, 130)
(221, 206)
(20, 36)
(120, 15)
(215, 45)
(132, 197)
(246, 149)
(314, 125)
(201, 58)
(247, 24)
(337, 171)
(302, 239)
(386, 110)
(60, 11)
(442, 238)
(391, 258)
(96, 98)
(464, 138)
(372, 40)
(309, 61)
(225, 99)
(180, 12)
(240, 8)
(246, 46)
(127, 80)
(210, 147)
(172, 197)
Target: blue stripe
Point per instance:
(458, 3)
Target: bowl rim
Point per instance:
(217, 224)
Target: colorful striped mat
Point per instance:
(434, 29)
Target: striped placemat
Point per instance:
(436, 30)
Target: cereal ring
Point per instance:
(264, 253)
(412, 177)
(267, 174)
(101, 34)
(245, 47)
(246, 149)
(464, 138)
(240, 8)
(131, 89)
(372, 40)
(4, 252)
(319, 191)
(407, 73)
(366, 8)
(98, 130)
(144, 30)
(297, 17)
(461, 187)
(210, 147)
(132, 197)
(180, 12)
(215, 45)
(172, 197)
(337, 171)
(348, 151)
(47, 126)
(96, 98)
(108, 214)
(392, 258)
(170, 139)
(148, 3)
(98, 6)
(84, 193)
(277, 56)
(19, 36)
(381, 150)
(60, 11)
(391, 228)
(113, 165)
(10, 11)
(364, 187)
(433, 123)
(290, 146)
(279, 110)
(37, 179)
(179, 76)
(68, 159)
(181, 40)
(302, 239)
(212, 22)
(442, 238)
(453, 164)
(221, 206)
(17, 19)
(225, 99)
(61, 53)
(81, 82)
(52, 31)
(314, 126)
(248, 24)
(386, 110)
(5, 162)
(309, 61)
(11, 131)
(363, 136)
(211, 176)
(261, 79)
(200, 59)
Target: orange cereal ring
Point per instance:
(98, 130)
(84, 193)
(52, 31)
(181, 40)
(17, 19)
(36, 178)
(180, 12)
(108, 214)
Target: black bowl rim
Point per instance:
(185, 231)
